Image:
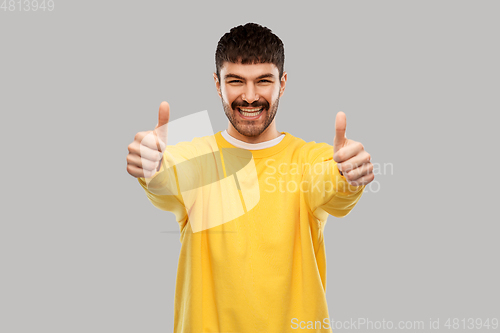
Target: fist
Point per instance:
(145, 153)
(353, 161)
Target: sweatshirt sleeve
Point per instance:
(326, 190)
(163, 188)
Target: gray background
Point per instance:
(83, 250)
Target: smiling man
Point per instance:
(253, 91)
(251, 201)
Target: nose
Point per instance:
(250, 95)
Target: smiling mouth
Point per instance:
(250, 112)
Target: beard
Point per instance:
(251, 128)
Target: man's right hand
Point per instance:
(145, 153)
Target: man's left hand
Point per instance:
(352, 159)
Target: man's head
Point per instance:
(250, 75)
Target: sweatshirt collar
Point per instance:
(284, 141)
(251, 146)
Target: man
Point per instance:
(251, 202)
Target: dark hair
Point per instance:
(250, 44)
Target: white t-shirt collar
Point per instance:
(251, 146)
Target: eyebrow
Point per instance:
(268, 75)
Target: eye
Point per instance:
(265, 81)
(234, 81)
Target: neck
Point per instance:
(270, 133)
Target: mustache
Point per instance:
(253, 105)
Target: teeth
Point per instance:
(249, 114)
(254, 112)
(250, 110)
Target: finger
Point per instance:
(355, 161)
(158, 146)
(150, 141)
(340, 127)
(359, 172)
(161, 127)
(138, 172)
(142, 162)
(363, 180)
(144, 152)
(163, 114)
(351, 149)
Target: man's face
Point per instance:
(250, 95)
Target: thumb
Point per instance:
(161, 127)
(340, 125)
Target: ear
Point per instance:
(283, 83)
(217, 85)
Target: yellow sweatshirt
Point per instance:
(252, 253)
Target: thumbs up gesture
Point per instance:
(352, 160)
(145, 153)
